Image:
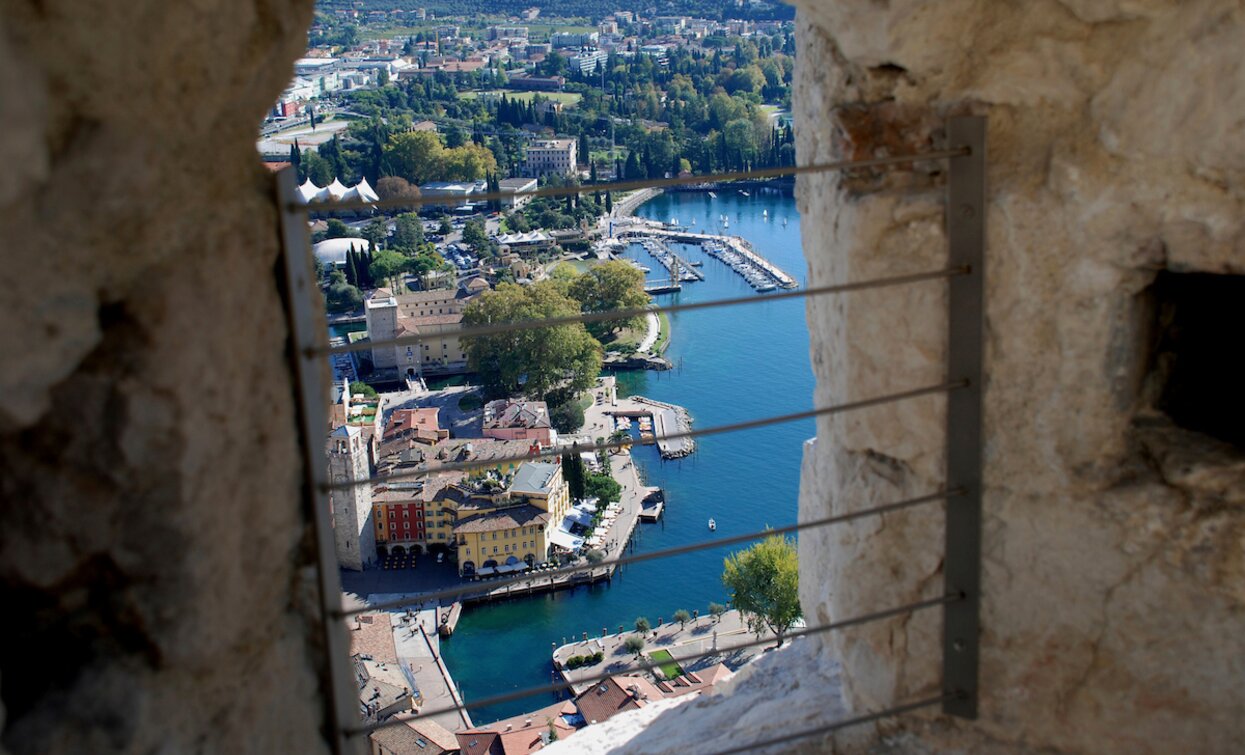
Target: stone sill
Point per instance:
(786, 690)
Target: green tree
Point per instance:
(416, 156)
(609, 202)
(376, 232)
(337, 229)
(716, 610)
(603, 487)
(642, 626)
(764, 584)
(359, 386)
(386, 265)
(567, 417)
(607, 287)
(594, 556)
(469, 162)
(573, 471)
(343, 297)
(634, 644)
(682, 616)
(408, 232)
(533, 361)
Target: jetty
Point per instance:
(734, 250)
(653, 505)
(681, 271)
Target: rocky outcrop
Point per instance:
(153, 552)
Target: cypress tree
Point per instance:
(350, 267)
(609, 202)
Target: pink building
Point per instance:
(513, 419)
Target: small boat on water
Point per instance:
(765, 213)
(712, 195)
(744, 193)
(784, 222)
(726, 222)
(712, 524)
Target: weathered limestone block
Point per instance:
(153, 550)
(1113, 539)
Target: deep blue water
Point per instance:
(731, 364)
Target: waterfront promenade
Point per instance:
(718, 641)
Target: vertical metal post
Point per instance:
(966, 213)
(307, 331)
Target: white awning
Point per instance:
(485, 571)
(566, 540)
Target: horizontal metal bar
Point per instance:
(648, 183)
(619, 314)
(457, 592)
(842, 724)
(552, 453)
(649, 666)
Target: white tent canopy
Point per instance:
(362, 191)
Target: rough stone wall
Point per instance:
(153, 552)
(1114, 574)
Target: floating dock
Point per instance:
(449, 618)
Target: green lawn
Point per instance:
(579, 266)
(566, 98)
(663, 335)
(626, 340)
(669, 667)
(436, 384)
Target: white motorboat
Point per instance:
(712, 195)
(712, 524)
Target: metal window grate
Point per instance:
(960, 598)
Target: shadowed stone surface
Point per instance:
(153, 553)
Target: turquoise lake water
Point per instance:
(731, 364)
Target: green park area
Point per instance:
(666, 663)
(566, 98)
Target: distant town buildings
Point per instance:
(574, 39)
(516, 185)
(586, 62)
(507, 32)
(551, 157)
